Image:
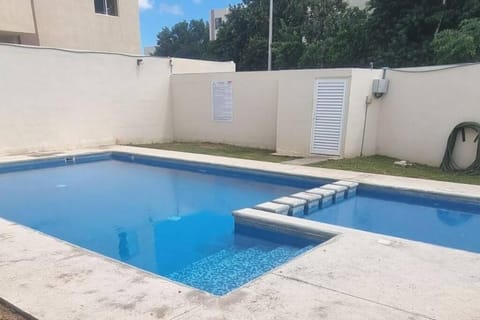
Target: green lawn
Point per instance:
(384, 165)
(218, 149)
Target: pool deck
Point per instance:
(356, 275)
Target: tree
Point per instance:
(184, 40)
(303, 32)
(457, 46)
(400, 32)
(329, 33)
(343, 42)
(243, 37)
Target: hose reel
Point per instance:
(448, 163)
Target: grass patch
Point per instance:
(218, 149)
(384, 165)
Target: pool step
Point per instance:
(273, 207)
(309, 201)
(327, 196)
(339, 191)
(296, 206)
(351, 186)
(313, 200)
(230, 263)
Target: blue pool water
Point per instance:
(174, 218)
(176, 223)
(438, 220)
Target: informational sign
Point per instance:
(222, 101)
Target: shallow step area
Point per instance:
(309, 201)
(225, 270)
(285, 206)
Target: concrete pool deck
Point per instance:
(356, 275)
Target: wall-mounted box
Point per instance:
(380, 86)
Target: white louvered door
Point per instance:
(328, 111)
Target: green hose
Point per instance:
(448, 164)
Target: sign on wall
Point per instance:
(222, 101)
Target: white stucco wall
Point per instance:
(360, 89)
(254, 109)
(16, 16)
(272, 110)
(295, 110)
(295, 107)
(181, 66)
(56, 100)
(420, 110)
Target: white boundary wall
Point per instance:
(271, 110)
(180, 66)
(421, 109)
(254, 109)
(56, 99)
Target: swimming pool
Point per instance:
(167, 217)
(173, 218)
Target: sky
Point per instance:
(156, 14)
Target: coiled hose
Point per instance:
(448, 164)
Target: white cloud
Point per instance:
(197, 1)
(173, 9)
(145, 4)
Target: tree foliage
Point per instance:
(184, 40)
(462, 45)
(401, 32)
(303, 34)
(243, 38)
(341, 44)
(329, 33)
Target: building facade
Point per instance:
(96, 25)
(217, 18)
(357, 3)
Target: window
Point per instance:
(218, 23)
(108, 7)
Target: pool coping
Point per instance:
(69, 271)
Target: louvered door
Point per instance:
(328, 114)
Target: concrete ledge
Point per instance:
(287, 224)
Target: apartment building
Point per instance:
(97, 25)
(357, 3)
(217, 17)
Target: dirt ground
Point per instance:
(7, 313)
